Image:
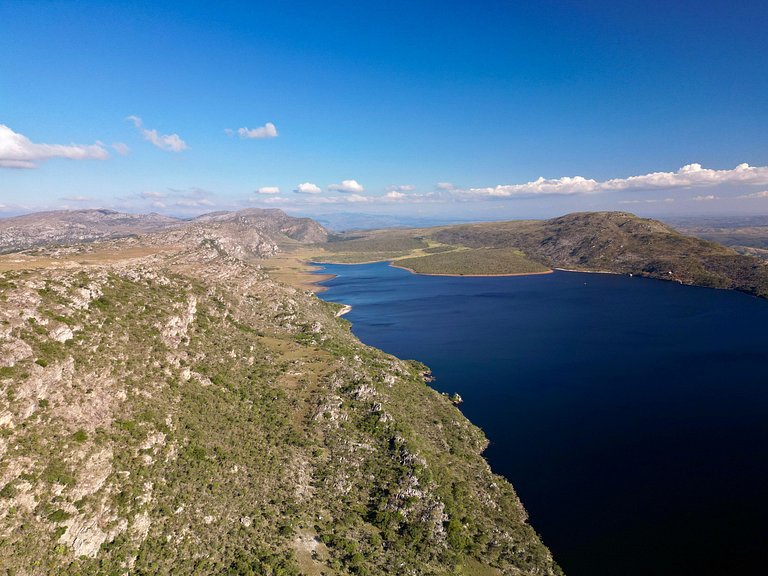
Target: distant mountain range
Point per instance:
(604, 241)
(79, 226)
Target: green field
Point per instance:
(481, 261)
(420, 252)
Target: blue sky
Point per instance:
(414, 108)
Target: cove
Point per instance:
(631, 415)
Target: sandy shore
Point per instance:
(394, 265)
(589, 271)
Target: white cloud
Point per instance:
(268, 190)
(561, 186)
(267, 131)
(194, 203)
(152, 194)
(401, 188)
(77, 198)
(394, 194)
(689, 176)
(647, 201)
(352, 186)
(275, 200)
(762, 194)
(445, 186)
(170, 142)
(18, 151)
(707, 198)
(308, 188)
(121, 148)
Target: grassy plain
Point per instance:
(420, 252)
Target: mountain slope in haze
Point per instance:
(182, 413)
(74, 227)
(745, 234)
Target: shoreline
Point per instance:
(591, 271)
(393, 265)
(318, 287)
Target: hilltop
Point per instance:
(169, 408)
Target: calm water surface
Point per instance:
(631, 415)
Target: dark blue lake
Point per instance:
(631, 415)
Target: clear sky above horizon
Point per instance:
(450, 110)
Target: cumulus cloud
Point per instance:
(707, 198)
(308, 188)
(394, 194)
(268, 190)
(18, 151)
(761, 194)
(267, 131)
(689, 176)
(445, 186)
(169, 142)
(351, 186)
(401, 188)
(561, 186)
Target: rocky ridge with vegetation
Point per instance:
(168, 408)
(78, 226)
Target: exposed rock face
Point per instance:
(181, 412)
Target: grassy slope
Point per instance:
(204, 419)
(418, 251)
(478, 261)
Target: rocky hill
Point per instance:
(75, 226)
(261, 227)
(167, 408)
(619, 242)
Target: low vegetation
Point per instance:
(183, 413)
(473, 261)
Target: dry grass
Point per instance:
(97, 257)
